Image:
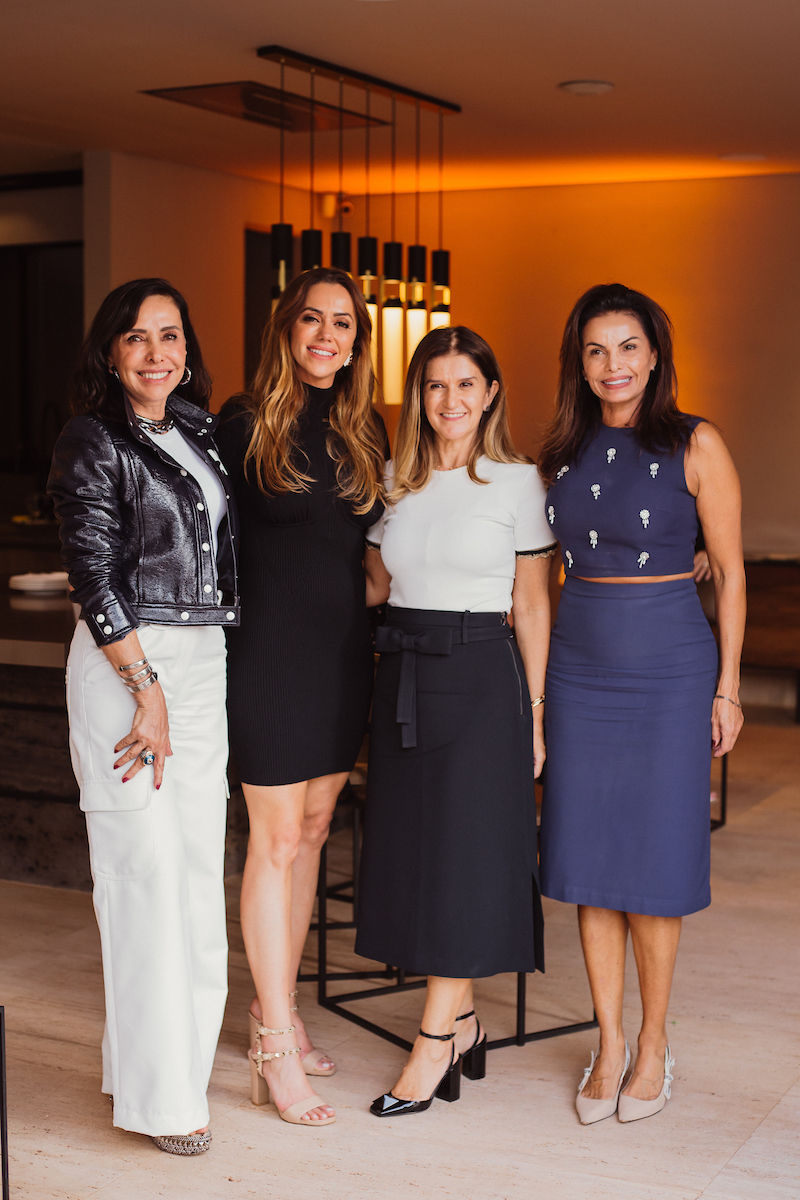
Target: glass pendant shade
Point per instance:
(340, 250)
(282, 247)
(372, 309)
(440, 278)
(311, 249)
(417, 312)
(392, 346)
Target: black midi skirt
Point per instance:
(449, 877)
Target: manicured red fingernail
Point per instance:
(117, 766)
(124, 778)
(158, 787)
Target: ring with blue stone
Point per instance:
(147, 757)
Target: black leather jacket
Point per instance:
(134, 526)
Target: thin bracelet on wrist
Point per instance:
(132, 666)
(719, 696)
(539, 700)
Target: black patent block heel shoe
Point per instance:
(448, 1088)
(473, 1061)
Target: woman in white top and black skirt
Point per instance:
(449, 873)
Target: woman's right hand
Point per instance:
(149, 731)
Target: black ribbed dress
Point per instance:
(300, 666)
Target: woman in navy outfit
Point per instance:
(635, 704)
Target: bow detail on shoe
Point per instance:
(668, 1076)
(587, 1072)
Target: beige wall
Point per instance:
(723, 258)
(41, 215)
(147, 217)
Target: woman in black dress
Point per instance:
(306, 452)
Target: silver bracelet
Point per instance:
(131, 666)
(140, 687)
(717, 696)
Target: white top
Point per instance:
(192, 461)
(452, 546)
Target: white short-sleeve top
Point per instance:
(453, 546)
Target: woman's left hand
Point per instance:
(539, 751)
(726, 722)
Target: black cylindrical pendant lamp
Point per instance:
(311, 249)
(417, 264)
(368, 256)
(440, 268)
(340, 250)
(282, 245)
(393, 260)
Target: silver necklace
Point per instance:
(157, 427)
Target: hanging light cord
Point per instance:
(311, 159)
(366, 164)
(441, 177)
(394, 162)
(416, 197)
(283, 134)
(341, 150)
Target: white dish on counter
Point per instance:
(40, 582)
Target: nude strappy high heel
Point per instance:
(259, 1087)
(310, 1062)
(473, 1061)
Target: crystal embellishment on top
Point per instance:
(595, 490)
(568, 557)
(593, 538)
(551, 513)
(645, 515)
(643, 557)
(653, 470)
(560, 474)
(611, 454)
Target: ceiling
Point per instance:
(694, 80)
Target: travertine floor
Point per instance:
(730, 1132)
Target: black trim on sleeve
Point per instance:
(545, 552)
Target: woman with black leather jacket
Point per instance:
(148, 540)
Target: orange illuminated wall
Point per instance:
(722, 256)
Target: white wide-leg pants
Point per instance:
(158, 863)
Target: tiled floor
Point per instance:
(730, 1132)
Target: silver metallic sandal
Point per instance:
(184, 1143)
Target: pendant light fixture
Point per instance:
(368, 249)
(416, 311)
(340, 240)
(440, 259)
(311, 239)
(282, 241)
(392, 294)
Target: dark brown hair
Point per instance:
(355, 441)
(95, 389)
(415, 449)
(660, 426)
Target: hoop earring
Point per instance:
(348, 360)
(187, 376)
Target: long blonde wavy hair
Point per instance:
(355, 440)
(415, 442)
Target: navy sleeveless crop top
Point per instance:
(620, 510)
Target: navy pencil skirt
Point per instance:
(630, 685)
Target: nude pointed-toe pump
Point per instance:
(631, 1109)
(591, 1111)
